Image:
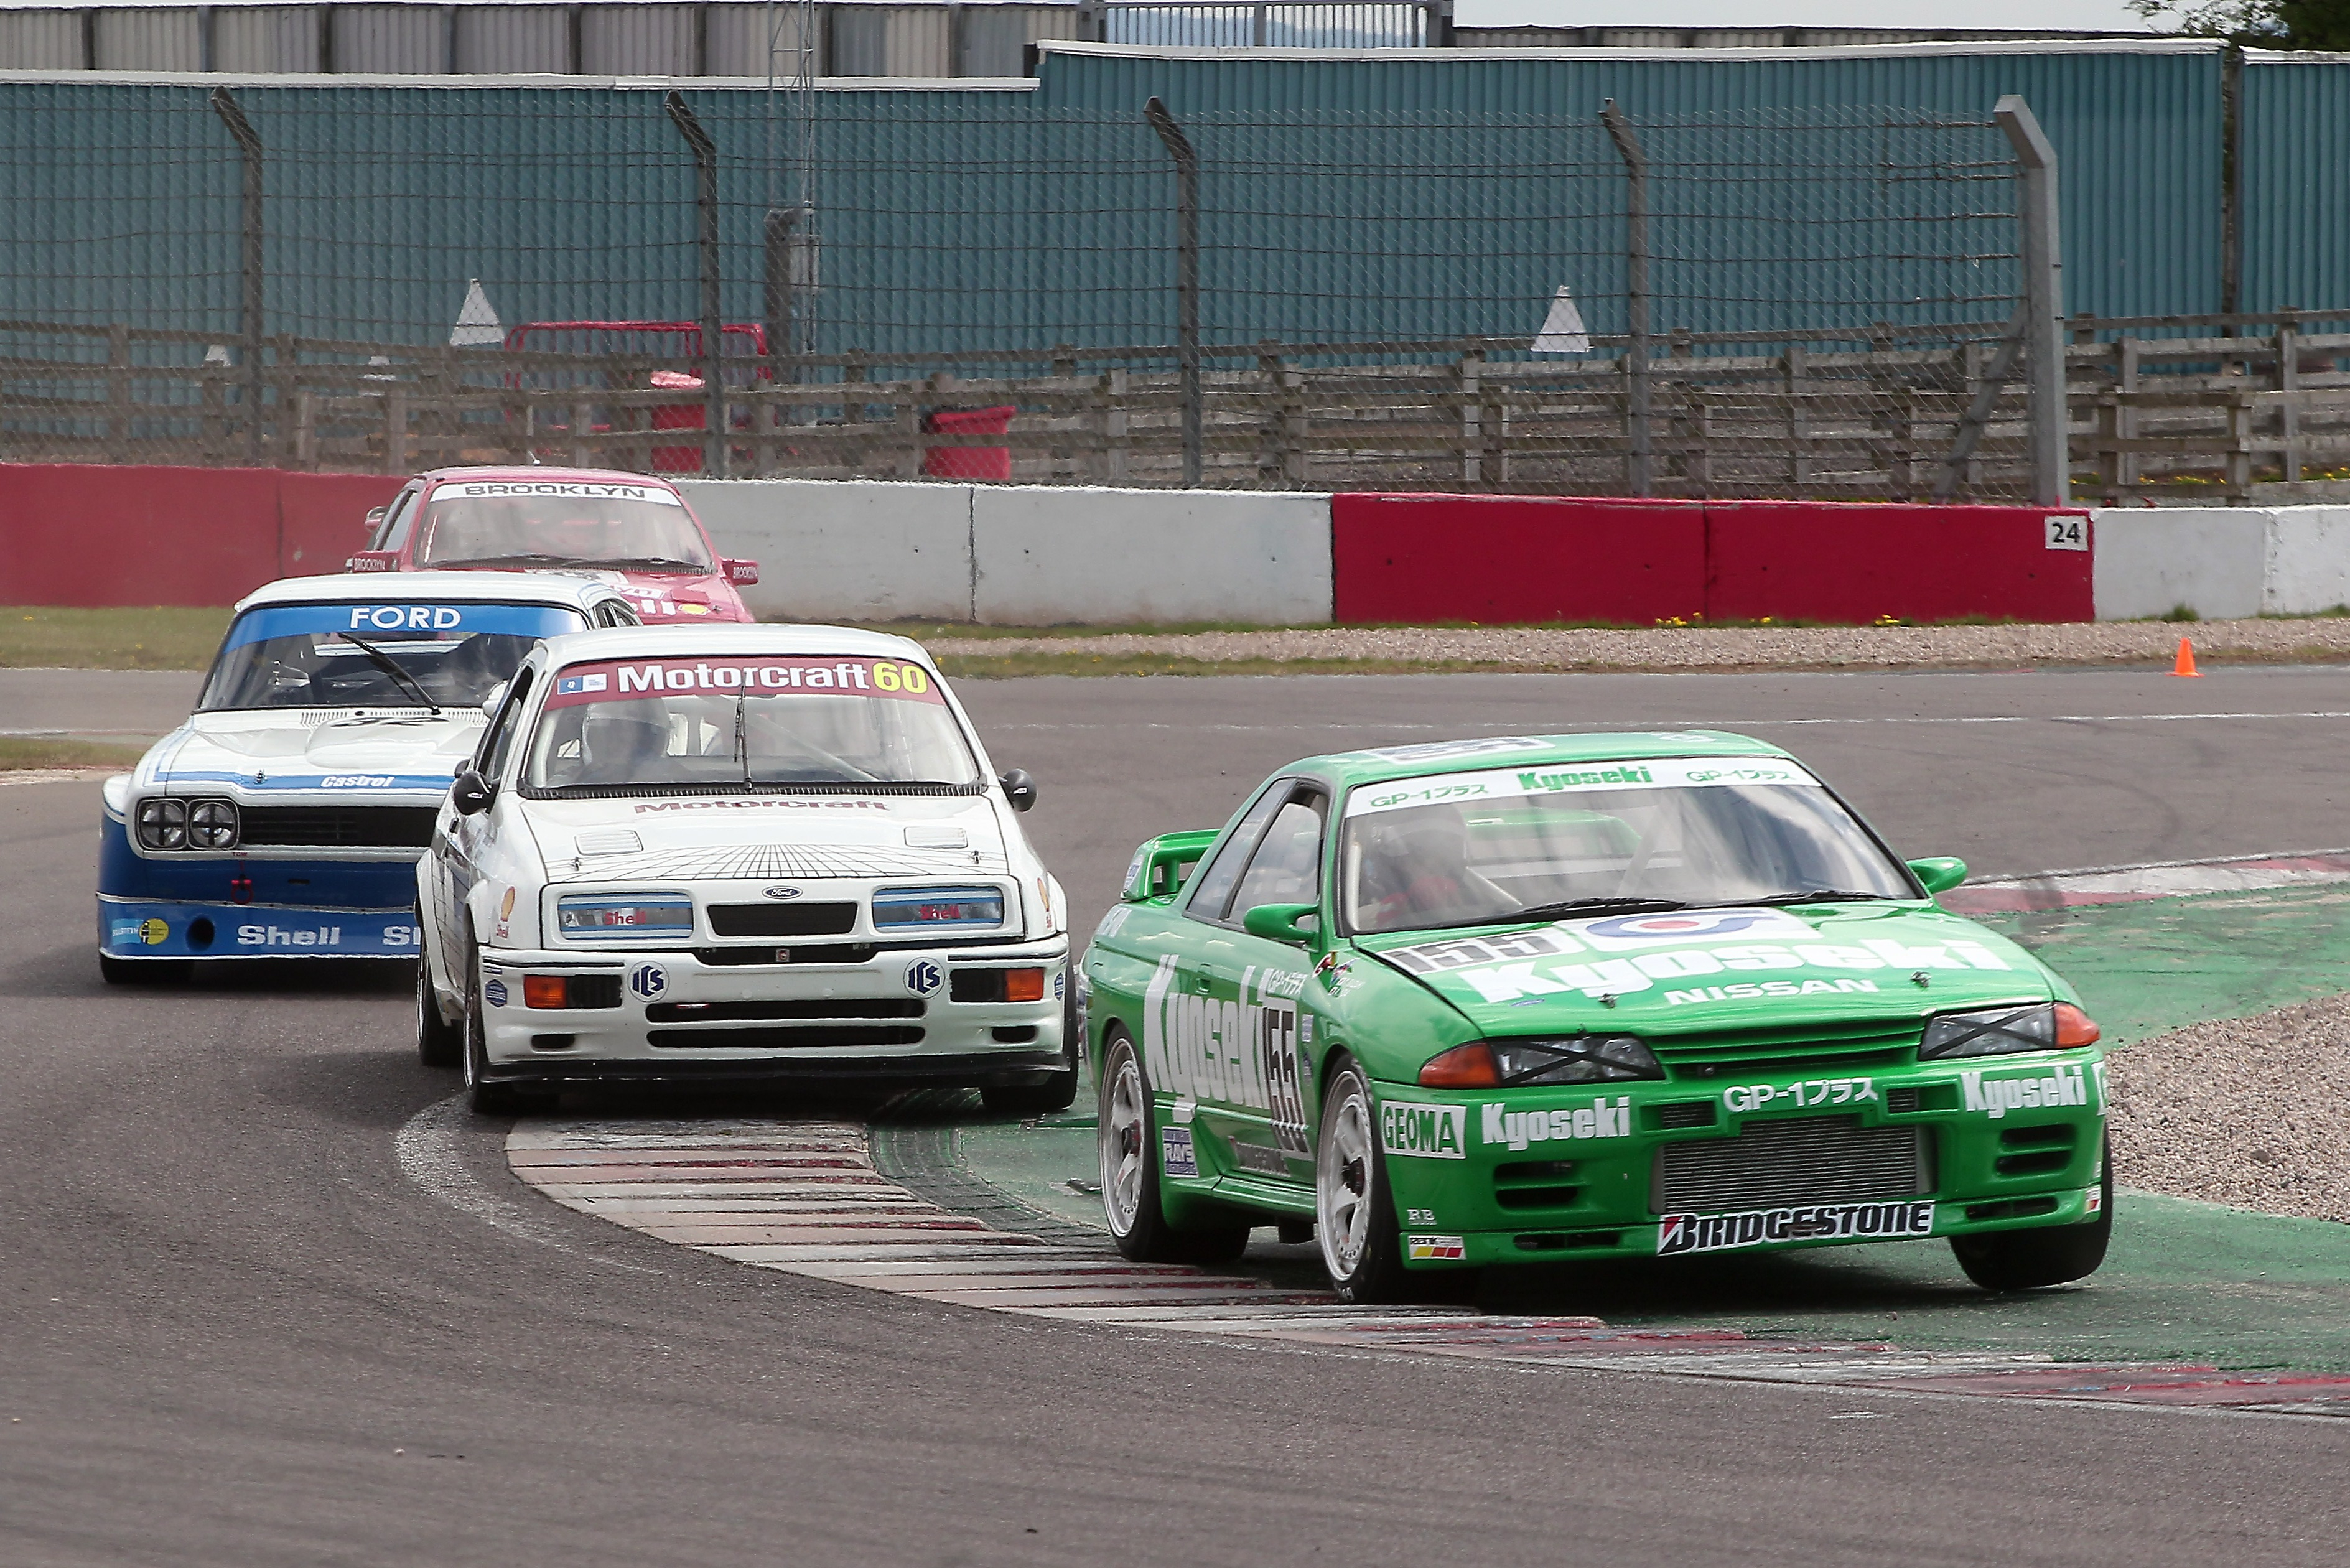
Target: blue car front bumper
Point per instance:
(233, 907)
(147, 928)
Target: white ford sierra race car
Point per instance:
(282, 819)
(732, 853)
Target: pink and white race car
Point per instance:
(631, 529)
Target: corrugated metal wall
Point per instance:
(2294, 174)
(736, 40)
(42, 41)
(267, 39)
(892, 41)
(512, 40)
(639, 40)
(131, 40)
(2137, 127)
(389, 40)
(630, 39)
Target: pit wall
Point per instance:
(82, 533)
(1035, 554)
(1024, 555)
(2222, 562)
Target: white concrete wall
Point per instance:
(1021, 555)
(835, 551)
(2221, 562)
(2308, 560)
(1047, 555)
(2150, 560)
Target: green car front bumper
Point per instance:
(1743, 1161)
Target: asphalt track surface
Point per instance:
(233, 1330)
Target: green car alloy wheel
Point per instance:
(1537, 999)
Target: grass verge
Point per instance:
(20, 751)
(163, 637)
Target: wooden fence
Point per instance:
(2154, 412)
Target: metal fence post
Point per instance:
(1639, 465)
(2043, 301)
(1187, 276)
(248, 143)
(713, 341)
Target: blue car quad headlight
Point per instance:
(164, 823)
(212, 824)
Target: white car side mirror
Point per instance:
(490, 703)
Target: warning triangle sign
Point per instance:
(1563, 331)
(477, 325)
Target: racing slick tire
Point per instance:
(1056, 1093)
(482, 1096)
(439, 1042)
(1354, 1212)
(2050, 1255)
(1129, 1173)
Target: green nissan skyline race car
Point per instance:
(1541, 999)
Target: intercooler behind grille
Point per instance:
(827, 919)
(1785, 1164)
(339, 827)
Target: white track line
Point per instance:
(1382, 726)
(681, 1182)
(426, 1146)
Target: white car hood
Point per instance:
(272, 750)
(768, 836)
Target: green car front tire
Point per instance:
(1131, 1197)
(2050, 1255)
(1353, 1212)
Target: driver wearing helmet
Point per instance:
(1416, 872)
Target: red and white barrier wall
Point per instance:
(82, 533)
(1026, 554)
(1504, 558)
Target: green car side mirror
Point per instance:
(1282, 922)
(1940, 873)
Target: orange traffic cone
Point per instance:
(2185, 663)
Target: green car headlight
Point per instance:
(1581, 1059)
(1514, 1063)
(2000, 1031)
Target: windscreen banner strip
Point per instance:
(553, 489)
(629, 680)
(402, 622)
(1571, 778)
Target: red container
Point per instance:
(968, 462)
(678, 417)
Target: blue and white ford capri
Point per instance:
(726, 853)
(283, 818)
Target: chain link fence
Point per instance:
(966, 284)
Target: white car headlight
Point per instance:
(624, 917)
(937, 909)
